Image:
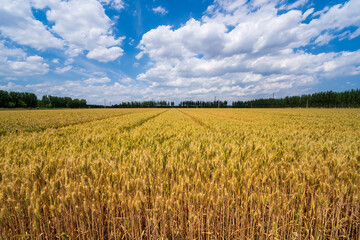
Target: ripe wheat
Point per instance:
(181, 174)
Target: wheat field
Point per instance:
(180, 174)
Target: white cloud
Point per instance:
(115, 92)
(92, 81)
(18, 23)
(77, 26)
(339, 17)
(32, 65)
(296, 4)
(160, 10)
(116, 4)
(355, 34)
(323, 39)
(126, 80)
(69, 61)
(188, 41)
(131, 41)
(10, 52)
(84, 25)
(14, 61)
(63, 70)
(10, 78)
(118, 92)
(249, 46)
(105, 54)
(307, 13)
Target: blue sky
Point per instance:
(122, 50)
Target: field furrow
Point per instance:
(196, 120)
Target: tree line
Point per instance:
(30, 100)
(327, 99)
(165, 104)
(144, 104)
(203, 104)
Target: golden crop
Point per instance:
(30, 120)
(180, 174)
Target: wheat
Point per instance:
(180, 174)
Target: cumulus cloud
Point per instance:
(160, 10)
(250, 46)
(32, 65)
(76, 26)
(14, 61)
(84, 25)
(105, 54)
(18, 23)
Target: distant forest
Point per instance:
(144, 104)
(30, 100)
(327, 99)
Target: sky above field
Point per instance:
(124, 50)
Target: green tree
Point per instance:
(4, 99)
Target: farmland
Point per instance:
(180, 174)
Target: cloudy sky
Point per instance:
(125, 50)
